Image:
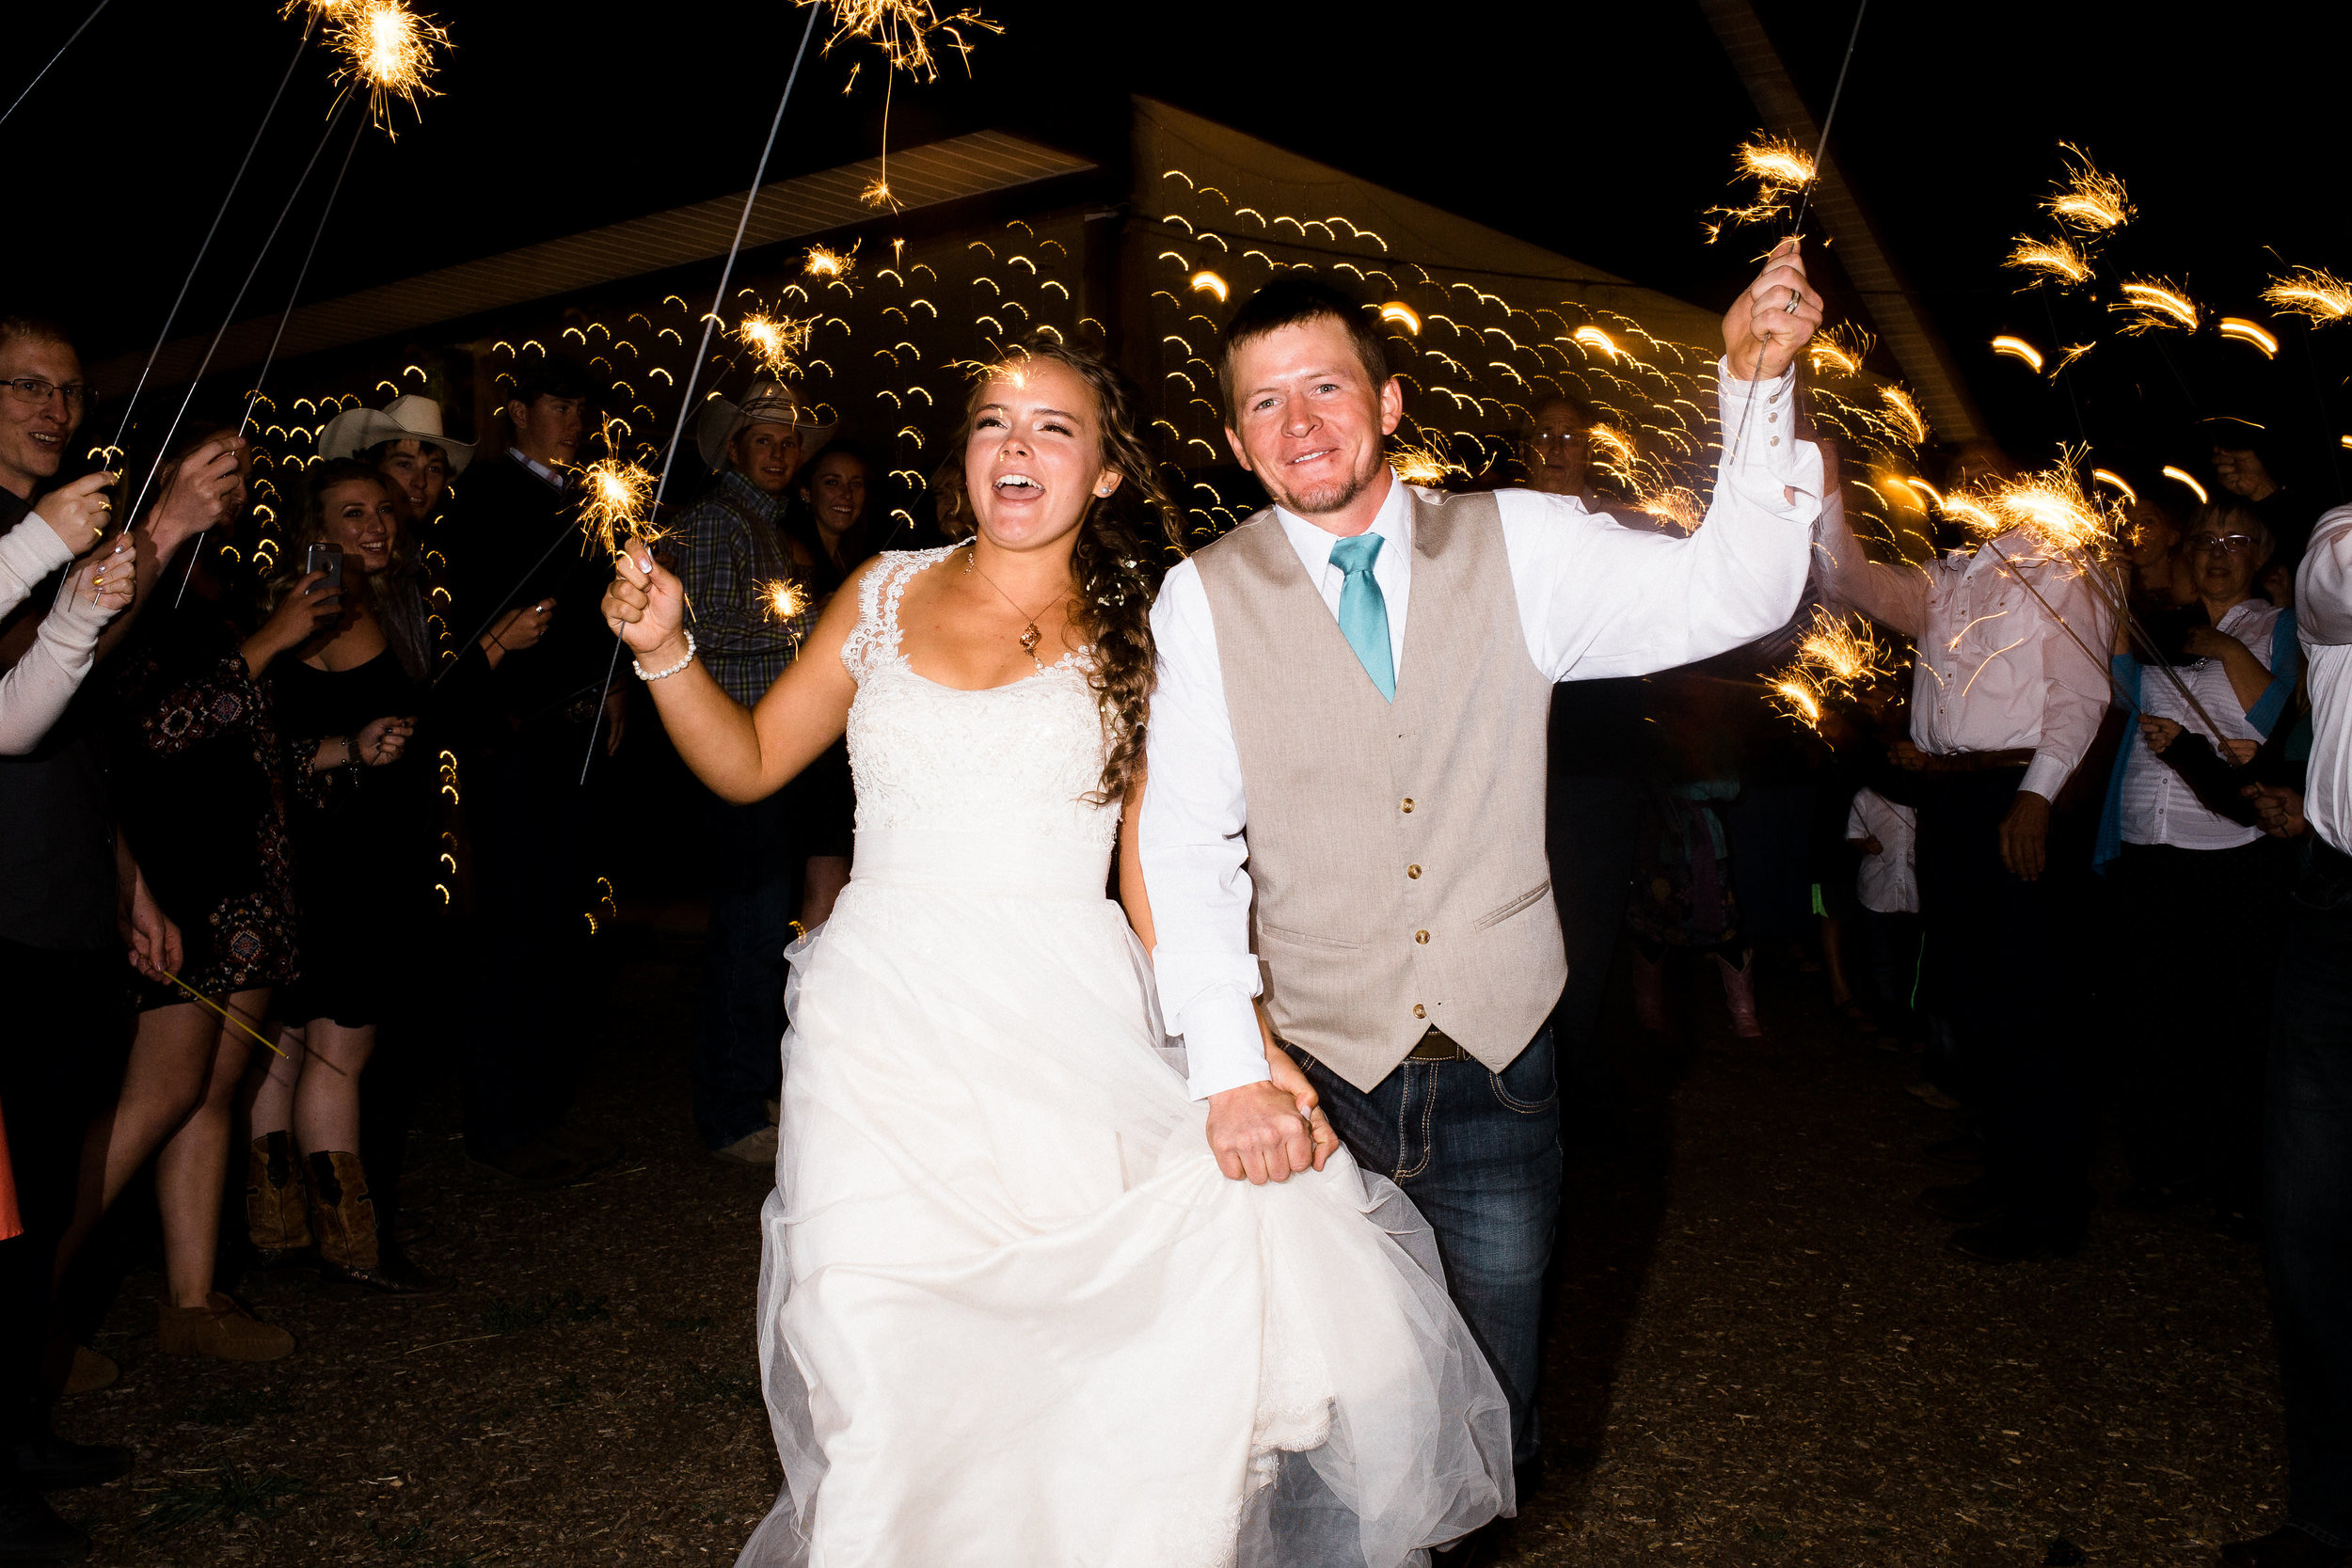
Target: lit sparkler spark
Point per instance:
(2049, 259)
(1403, 315)
(775, 340)
(2090, 200)
(2181, 476)
(1612, 452)
(2308, 292)
(1780, 170)
(2049, 505)
(613, 496)
(2017, 348)
(2152, 304)
(1904, 413)
(2067, 355)
(823, 262)
(323, 11)
(1838, 652)
(2117, 483)
(904, 30)
(1206, 282)
(1843, 349)
(1676, 503)
(1424, 464)
(1799, 700)
(878, 195)
(388, 53)
(2245, 331)
(1598, 341)
(782, 598)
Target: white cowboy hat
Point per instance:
(408, 418)
(767, 402)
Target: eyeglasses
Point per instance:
(34, 392)
(1545, 437)
(2228, 544)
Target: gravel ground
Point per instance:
(1762, 1353)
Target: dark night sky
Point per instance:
(1600, 133)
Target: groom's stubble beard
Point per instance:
(1325, 499)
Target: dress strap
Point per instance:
(873, 643)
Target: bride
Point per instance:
(1011, 1311)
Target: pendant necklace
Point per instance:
(1030, 636)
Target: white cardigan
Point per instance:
(36, 693)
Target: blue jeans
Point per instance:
(755, 868)
(1478, 1152)
(2308, 1195)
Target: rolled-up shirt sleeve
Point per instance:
(1598, 599)
(2075, 696)
(1193, 851)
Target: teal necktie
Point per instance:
(1363, 612)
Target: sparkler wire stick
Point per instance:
(226, 1016)
(53, 60)
(2106, 666)
(2119, 602)
(710, 321)
(195, 378)
(1804, 203)
(164, 335)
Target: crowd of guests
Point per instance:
(286, 774)
(237, 763)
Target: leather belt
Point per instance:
(1437, 1046)
(1974, 762)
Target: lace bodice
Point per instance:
(1014, 760)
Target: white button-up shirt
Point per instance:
(1993, 670)
(2323, 621)
(1888, 882)
(1595, 599)
(2158, 805)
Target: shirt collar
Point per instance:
(1392, 522)
(544, 474)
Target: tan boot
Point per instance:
(221, 1329)
(276, 1215)
(343, 1218)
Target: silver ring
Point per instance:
(1796, 297)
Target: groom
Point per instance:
(1347, 821)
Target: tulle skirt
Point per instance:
(1011, 1313)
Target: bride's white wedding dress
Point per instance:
(1010, 1313)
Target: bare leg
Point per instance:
(1834, 960)
(272, 1110)
(327, 1102)
(824, 878)
(171, 1060)
(193, 1164)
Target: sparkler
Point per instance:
(1904, 413)
(2017, 348)
(773, 340)
(904, 30)
(2241, 330)
(2321, 297)
(1799, 700)
(1779, 169)
(1841, 653)
(823, 262)
(225, 1014)
(2180, 476)
(1842, 348)
(2089, 200)
(2153, 303)
(70, 39)
(2051, 506)
(613, 502)
(388, 53)
(782, 598)
(1427, 462)
(2047, 260)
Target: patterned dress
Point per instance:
(200, 791)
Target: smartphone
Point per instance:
(327, 559)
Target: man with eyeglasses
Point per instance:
(2009, 686)
(64, 876)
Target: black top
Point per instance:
(58, 853)
(513, 539)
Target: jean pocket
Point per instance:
(1529, 1086)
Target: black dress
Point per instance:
(201, 791)
(364, 843)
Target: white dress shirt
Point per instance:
(2158, 805)
(1888, 882)
(1995, 670)
(2323, 621)
(1595, 599)
(34, 692)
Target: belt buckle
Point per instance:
(1437, 1046)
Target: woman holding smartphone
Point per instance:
(365, 827)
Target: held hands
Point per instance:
(1272, 1130)
(109, 581)
(1768, 325)
(645, 607)
(2026, 836)
(78, 513)
(2279, 810)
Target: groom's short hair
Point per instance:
(1289, 299)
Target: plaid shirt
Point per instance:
(729, 552)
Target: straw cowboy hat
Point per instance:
(768, 403)
(408, 418)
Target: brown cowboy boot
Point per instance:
(344, 1215)
(275, 1214)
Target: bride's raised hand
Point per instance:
(645, 607)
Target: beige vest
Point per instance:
(1396, 850)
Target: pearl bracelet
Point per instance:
(645, 675)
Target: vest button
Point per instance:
(1421, 937)
(1413, 871)
(1409, 803)
(1420, 1011)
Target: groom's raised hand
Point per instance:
(1770, 324)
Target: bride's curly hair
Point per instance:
(1126, 542)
